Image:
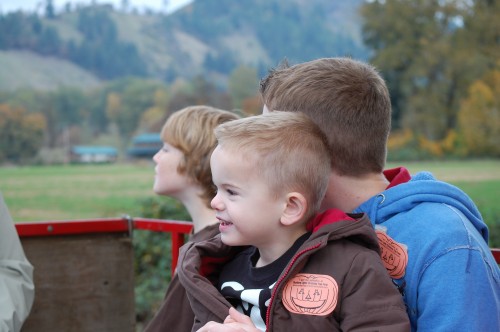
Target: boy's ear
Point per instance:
(295, 209)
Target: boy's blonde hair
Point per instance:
(348, 99)
(191, 130)
(288, 150)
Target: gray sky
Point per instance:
(30, 5)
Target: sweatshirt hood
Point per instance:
(421, 188)
(334, 224)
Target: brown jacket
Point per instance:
(339, 265)
(175, 312)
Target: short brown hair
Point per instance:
(191, 130)
(289, 150)
(348, 99)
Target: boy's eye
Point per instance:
(231, 192)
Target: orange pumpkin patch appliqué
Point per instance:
(394, 255)
(311, 294)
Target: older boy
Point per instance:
(182, 172)
(275, 260)
(433, 239)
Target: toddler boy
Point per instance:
(276, 260)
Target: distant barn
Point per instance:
(93, 154)
(145, 145)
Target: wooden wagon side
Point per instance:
(84, 272)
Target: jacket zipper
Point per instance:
(280, 280)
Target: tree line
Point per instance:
(441, 60)
(34, 123)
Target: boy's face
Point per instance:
(168, 181)
(247, 212)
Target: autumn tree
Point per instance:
(136, 97)
(62, 109)
(481, 33)
(424, 49)
(153, 118)
(111, 135)
(479, 116)
(113, 106)
(198, 91)
(21, 134)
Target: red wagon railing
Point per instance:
(177, 229)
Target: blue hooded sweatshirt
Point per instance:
(434, 245)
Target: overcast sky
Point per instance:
(30, 5)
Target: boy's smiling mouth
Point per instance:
(224, 225)
(224, 222)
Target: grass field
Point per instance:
(111, 190)
(75, 191)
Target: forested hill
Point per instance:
(207, 37)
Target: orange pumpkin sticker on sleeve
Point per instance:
(311, 294)
(394, 255)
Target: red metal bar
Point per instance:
(177, 229)
(71, 227)
(162, 225)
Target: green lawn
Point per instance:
(75, 191)
(111, 190)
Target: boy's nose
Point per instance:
(216, 203)
(155, 157)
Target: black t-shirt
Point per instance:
(248, 288)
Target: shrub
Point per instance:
(152, 256)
